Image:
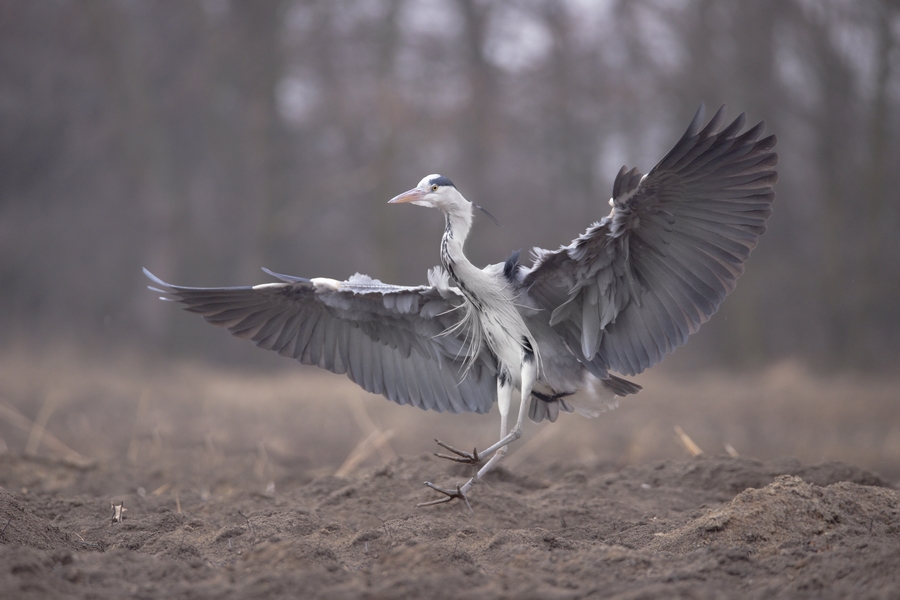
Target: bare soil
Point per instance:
(294, 484)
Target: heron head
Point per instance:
(435, 191)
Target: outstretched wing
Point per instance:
(401, 342)
(639, 282)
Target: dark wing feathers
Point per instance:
(638, 283)
(391, 340)
(628, 291)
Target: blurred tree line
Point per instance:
(207, 138)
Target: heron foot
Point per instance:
(468, 458)
(449, 495)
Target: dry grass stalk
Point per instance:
(645, 437)
(17, 419)
(161, 489)
(134, 444)
(532, 445)
(262, 469)
(363, 450)
(368, 426)
(689, 445)
(51, 401)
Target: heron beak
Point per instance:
(410, 196)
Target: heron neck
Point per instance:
(458, 225)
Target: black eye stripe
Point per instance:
(441, 181)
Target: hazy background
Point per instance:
(205, 139)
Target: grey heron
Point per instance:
(621, 296)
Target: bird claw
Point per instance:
(468, 458)
(449, 495)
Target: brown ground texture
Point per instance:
(295, 484)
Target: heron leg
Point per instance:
(504, 400)
(471, 458)
(461, 493)
(529, 372)
(448, 496)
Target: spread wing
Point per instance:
(401, 342)
(639, 282)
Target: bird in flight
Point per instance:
(622, 295)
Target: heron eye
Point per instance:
(434, 187)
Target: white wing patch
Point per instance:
(326, 284)
(629, 195)
(268, 286)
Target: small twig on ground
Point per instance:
(81, 540)
(249, 524)
(387, 531)
(8, 521)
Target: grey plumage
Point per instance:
(644, 278)
(620, 297)
(388, 339)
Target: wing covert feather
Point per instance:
(390, 340)
(635, 285)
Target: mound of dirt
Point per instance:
(769, 520)
(19, 526)
(715, 527)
